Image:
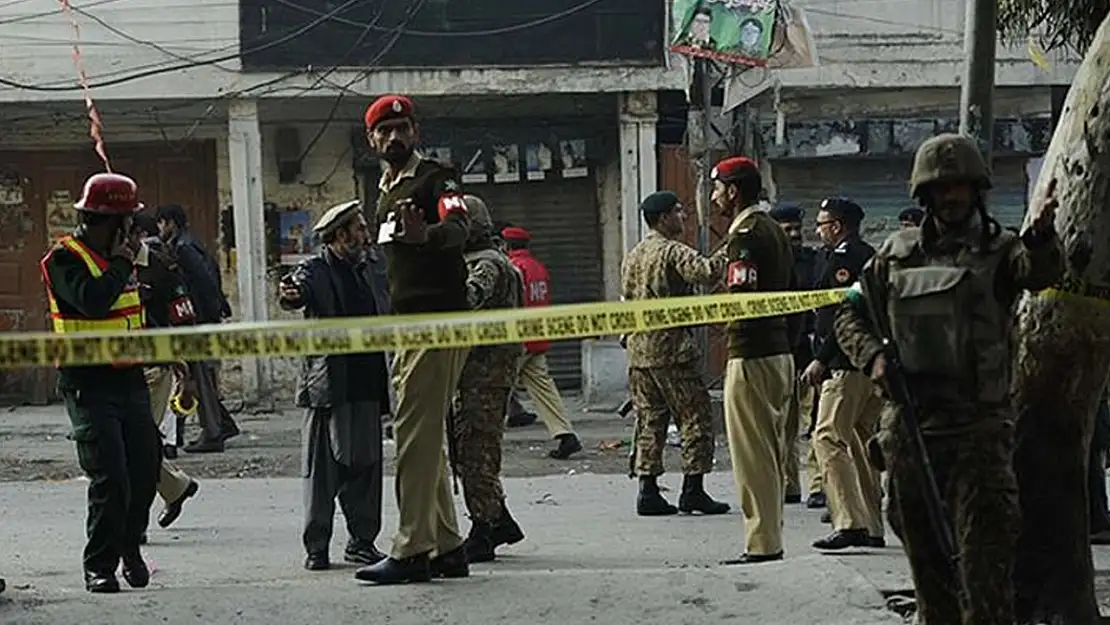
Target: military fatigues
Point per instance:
(801, 326)
(759, 380)
(664, 374)
(109, 406)
(848, 408)
(425, 278)
(948, 300)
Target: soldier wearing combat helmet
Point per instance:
(945, 291)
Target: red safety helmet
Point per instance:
(110, 194)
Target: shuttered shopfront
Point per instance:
(881, 187)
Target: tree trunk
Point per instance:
(1062, 361)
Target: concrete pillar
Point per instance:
(639, 163)
(245, 161)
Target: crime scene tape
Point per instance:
(347, 335)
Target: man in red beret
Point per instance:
(759, 379)
(422, 224)
(533, 371)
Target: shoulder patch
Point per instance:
(451, 185)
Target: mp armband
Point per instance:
(451, 204)
(742, 274)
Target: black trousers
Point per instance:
(1096, 469)
(119, 449)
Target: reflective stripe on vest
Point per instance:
(126, 312)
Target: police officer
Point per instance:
(790, 217)
(422, 224)
(848, 409)
(759, 380)
(911, 217)
(953, 283)
(91, 286)
(664, 374)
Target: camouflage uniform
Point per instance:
(948, 299)
(483, 393)
(664, 374)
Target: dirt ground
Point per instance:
(33, 446)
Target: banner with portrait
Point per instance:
(732, 31)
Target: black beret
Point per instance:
(916, 215)
(659, 203)
(843, 208)
(787, 212)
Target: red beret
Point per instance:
(388, 107)
(515, 233)
(732, 168)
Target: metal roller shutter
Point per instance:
(881, 187)
(562, 215)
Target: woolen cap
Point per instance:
(336, 216)
(659, 203)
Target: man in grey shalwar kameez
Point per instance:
(345, 396)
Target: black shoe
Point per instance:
(362, 552)
(843, 539)
(695, 499)
(317, 561)
(506, 531)
(876, 542)
(135, 571)
(479, 545)
(228, 430)
(452, 565)
(390, 571)
(173, 510)
(826, 517)
(101, 582)
(169, 452)
(650, 502)
(205, 447)
(568, 445)
(753, 558)
(793, 499)
(522, 419)
(816, 500)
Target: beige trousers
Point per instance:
(813, 468)
(757, 400)
(425, 381)
(801, 403)
(534, 377)
(846, 419)
(172, 481)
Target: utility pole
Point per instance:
(704, 87)
(977, 90)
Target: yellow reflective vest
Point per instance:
(126, 312)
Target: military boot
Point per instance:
(695, 499)
(650, 501)
(479, 543)
(506, 531)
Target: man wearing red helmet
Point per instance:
(759, 379)
(91, 286)
(422, 224)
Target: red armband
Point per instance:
(451, 203)
(742, 274)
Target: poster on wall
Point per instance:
(474, 169)
(572, 153)
(438, 153)
(296, 236)
(732, 31)
(61, 217)
(537, 161)
(506, 163)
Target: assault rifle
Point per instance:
(894, 381)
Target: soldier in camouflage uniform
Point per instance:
(483, 393)
(946, 290)
(663, 366)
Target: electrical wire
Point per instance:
(446, 33)
(174, 68)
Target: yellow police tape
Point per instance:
(392, 332)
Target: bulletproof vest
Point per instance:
(945, 316)
(511, 288)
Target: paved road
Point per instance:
(235, 558)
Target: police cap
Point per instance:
(843, 209)
(787, 213)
